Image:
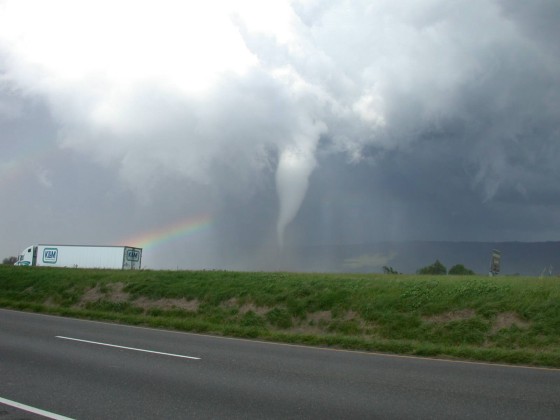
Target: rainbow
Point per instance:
(185, 227)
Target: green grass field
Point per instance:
(500, 319)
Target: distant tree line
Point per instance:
(9, 261)
(437, 268)
(389, 270)
(461, 270)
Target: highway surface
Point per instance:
(65, 368)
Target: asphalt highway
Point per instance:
(54, 367)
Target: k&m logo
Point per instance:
(133, 255)
(50, 255)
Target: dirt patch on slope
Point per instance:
(245, 307)
(352, 315)
(444, 317)
(318, 317)
(251, 307)
(506, 320)
(230, 303)
(314, 324)
(112, 292)
(167, 304)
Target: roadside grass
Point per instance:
(500, 319)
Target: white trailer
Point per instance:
(81, 256)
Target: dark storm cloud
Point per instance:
(538, 20)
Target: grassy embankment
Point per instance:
(501, 319)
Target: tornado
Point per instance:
(296, 163)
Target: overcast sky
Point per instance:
(278, 123)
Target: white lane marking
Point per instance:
(33, 410)
(128, 348)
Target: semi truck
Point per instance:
(81, 256)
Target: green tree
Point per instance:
(436, 268)
(389, 270)
(460, 269)
(9, 261)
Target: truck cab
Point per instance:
(27, 256)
